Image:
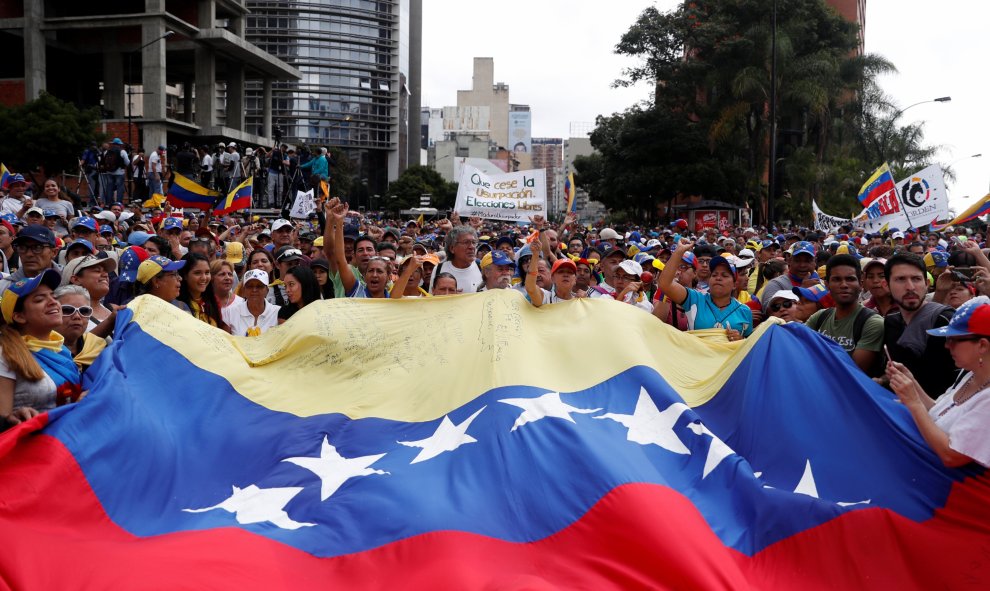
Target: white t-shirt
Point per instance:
(154, 162)
(241, 321)
(207, 163)
(38, 395)
(966, 423)
(468, 279)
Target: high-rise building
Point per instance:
(854, 11)
(359, 91)
(485, 92)
(548, 153)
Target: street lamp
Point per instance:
(130, 87)
(890, 124)
(954, 162)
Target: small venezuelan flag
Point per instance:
(239, 198)
(569, 192)
(186, 193)
(4, 175)
(878, 185)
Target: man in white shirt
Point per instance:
(461, 245)
(155, 171)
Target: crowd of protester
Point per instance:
(909, 308)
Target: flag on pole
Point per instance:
(324, 190)
(980, 208)
(156, 200)
(420, 220)
(569, 190)
(879, 184)
(4, 175)
(239, 198)
(185, 192)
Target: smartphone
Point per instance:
(886, 352)
(965, 271)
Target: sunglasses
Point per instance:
(786, 305)
(84, 311)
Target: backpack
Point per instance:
(111, 160)
(862, 316)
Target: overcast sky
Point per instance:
(557, 56)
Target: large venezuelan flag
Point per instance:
(446, 444)
(186, 193)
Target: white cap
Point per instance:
(631, 267)
(897, 235)
(785, 294)
(221, 145)
(279, 224)
(36, 210)
(106, 215)
(609, 234)
(249, 152)
(256, 275)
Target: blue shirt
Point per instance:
(702, 313)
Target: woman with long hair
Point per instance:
(53, 198)
(301, 289)
(321, 268)
(261, 260)
(37, 372)
(196, 290)
(224, 278)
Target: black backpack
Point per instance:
(111, 160)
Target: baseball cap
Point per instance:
(288, 253)
(504, 240)
(279, 224)
(803, 247)
(257, 275)
(50, 213)
(609, 234)
(36, 211)
(845, 248)
(497, 258)
(562, 263)
(84, 222)
(609, 250)
(16, 178)
(877, 261)
(138, 238)
(783, 294)
(171, 224)
(233, 252)
(117, 141)
(81, 242)
(972, 318)
(814, 293)
(106, 229)
(42, 234)
(25, 287)
(690, 259)
(721, 260)
(106, 216)
(129, 261)
(936, 258)
(153, 265)
(76, 266)
(631, 267)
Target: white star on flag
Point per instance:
(257, 505)
(807, 486)
(548, 405)
(447, 437)
(333, 469)
(717, 451)
(648, 425)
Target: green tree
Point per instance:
(415, 181)
(46, 133)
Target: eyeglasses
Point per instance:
(103, 247)
(685, 267)
(84, 311)
(36, 248)
(473, 243)
(786, 304)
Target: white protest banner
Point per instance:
(511, 197)
(922, 199)
(303, 205)
(825, 222)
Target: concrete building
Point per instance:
(581, 146)
(485, 92)
(116, 52)
(548, 153)
(360, 66)
(855, 11)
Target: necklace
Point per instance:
(959, 402)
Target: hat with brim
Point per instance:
(155, 264)
(720, 260)
(23, 288)
(815, 293)
(972, 318)
(36, 233)
(783, 294)
(563, 264)
(76, 266)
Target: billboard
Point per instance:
(520, 131)
(469, 119)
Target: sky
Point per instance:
(558, 57)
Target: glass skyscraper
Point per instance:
(354, 94)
